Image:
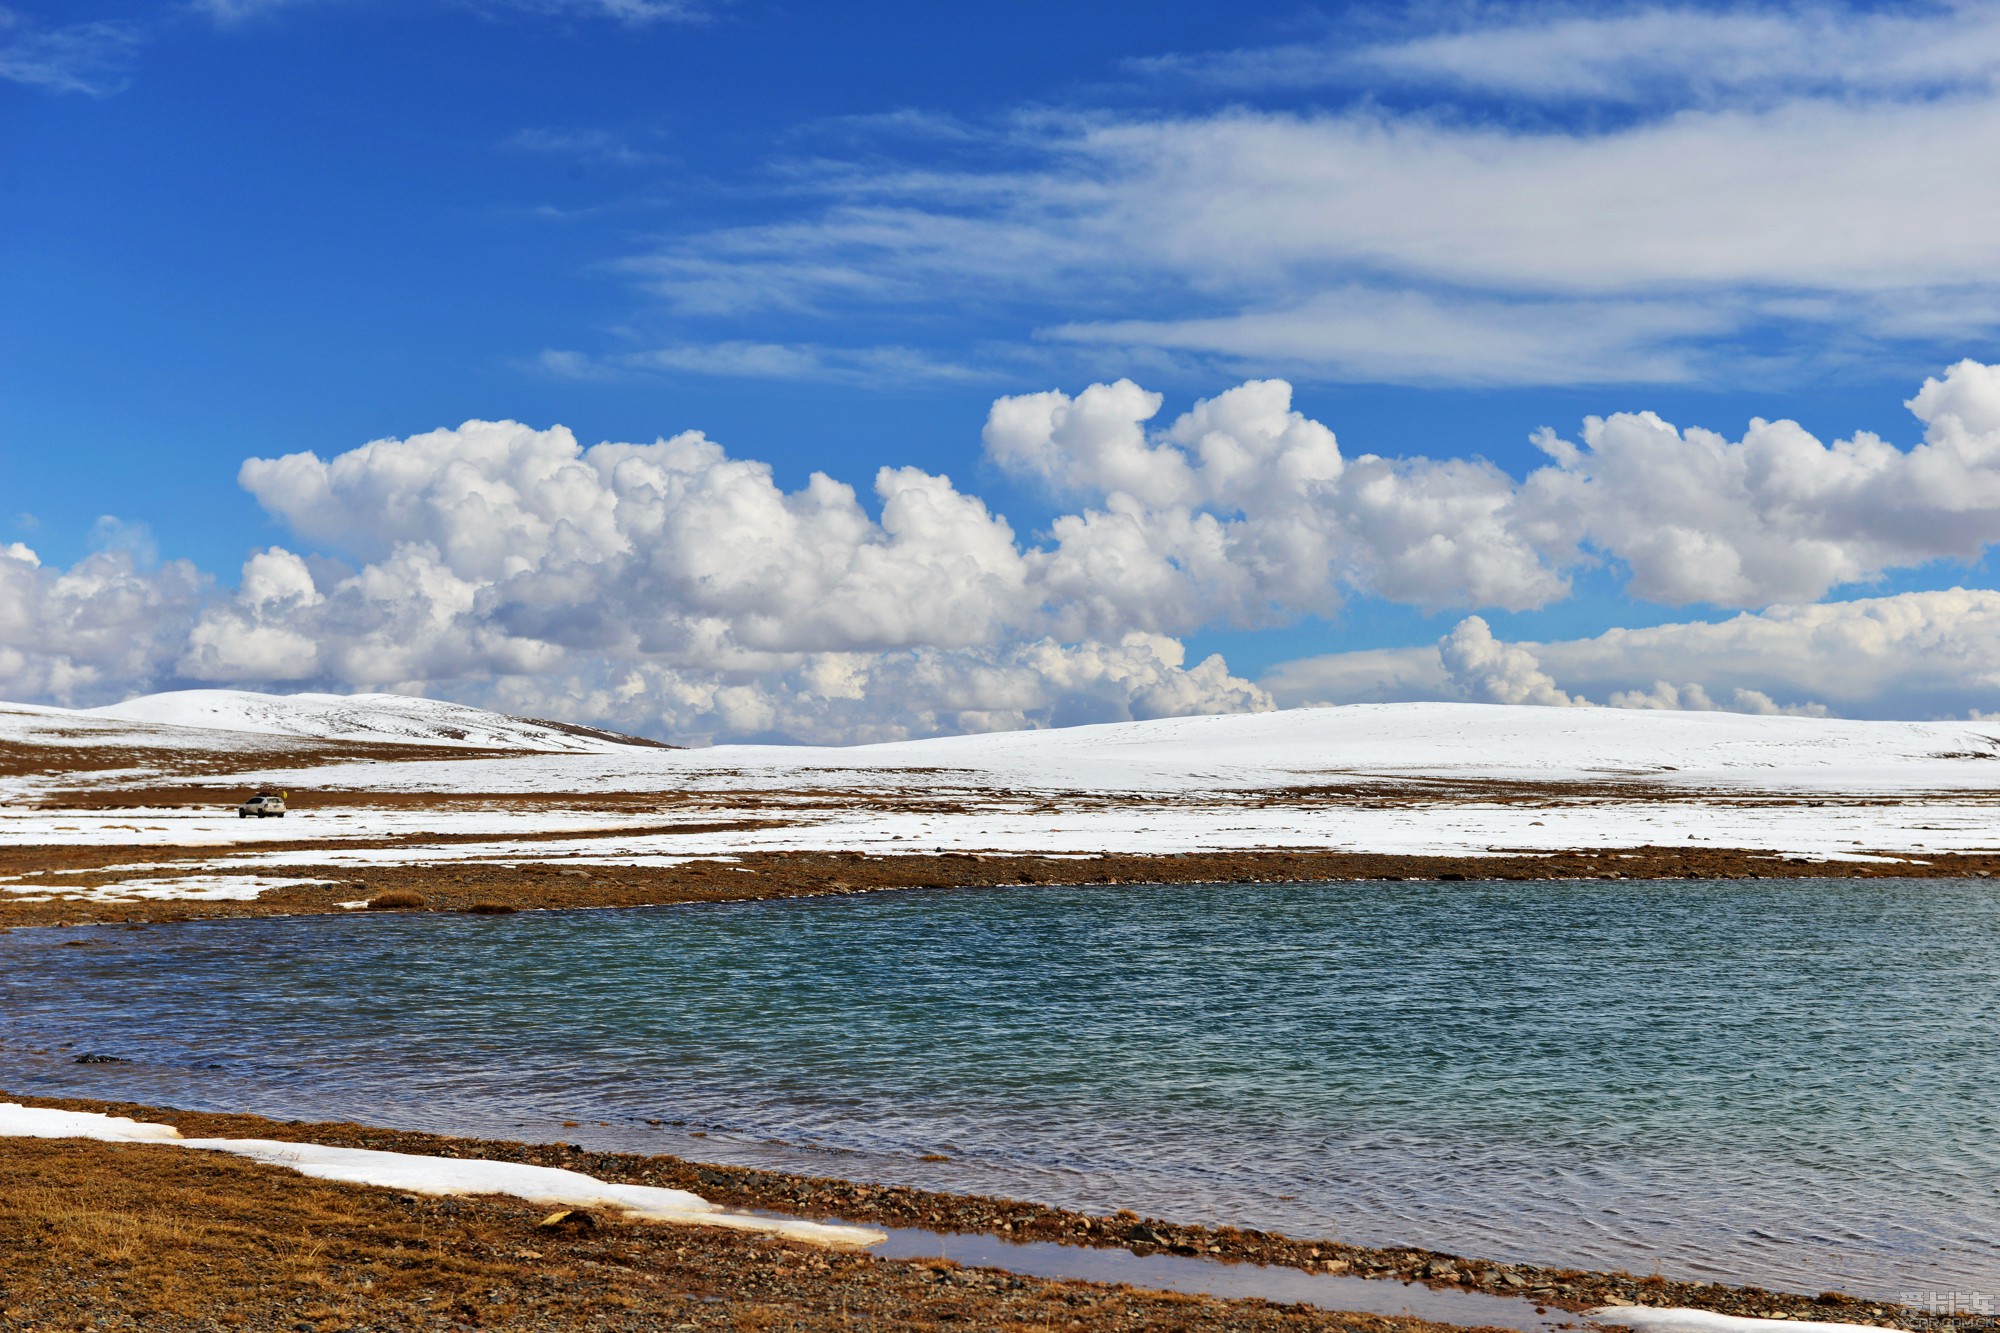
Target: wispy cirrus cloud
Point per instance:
(89, 58)
(1635, 54)
(1373, 243)
(637, 13)
(590, 145)
(739, 359)
(1645, 194)
(1373, 333)
(633, 12)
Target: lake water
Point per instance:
(1795, 1083)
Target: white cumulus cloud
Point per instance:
(1778, 515)
(102, 625)
(1245, 510)
(1484, 670)
(673, 587)
(1913, 654)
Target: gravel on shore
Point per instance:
(807, 1281)
(127, 1236)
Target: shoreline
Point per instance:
(819, 1198)
(524, 884)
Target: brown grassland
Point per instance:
(145, 1236)
(132, 1236)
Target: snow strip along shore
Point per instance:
(439, 1175)
(419, 1174)
(1676, 1319)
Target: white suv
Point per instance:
(261, 805)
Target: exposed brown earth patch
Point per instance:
(451, 887)
(133, 1236)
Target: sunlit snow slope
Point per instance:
(1307, 746)
(352, 717)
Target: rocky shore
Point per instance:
(809, 1279)
(154, 1238)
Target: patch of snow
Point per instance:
(1678, 1319)
(441, 1175)
(189, 888)
(41, 1122)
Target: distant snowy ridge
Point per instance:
(1502, 742)
(1236, 751)
(368, 718)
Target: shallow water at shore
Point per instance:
(1209, 1277)
(1785, 1082)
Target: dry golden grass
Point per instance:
(456, 886)
(136, 1236)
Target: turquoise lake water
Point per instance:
(1789, 1082)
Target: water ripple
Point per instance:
(1783, 1082)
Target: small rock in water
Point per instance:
(95, 1059)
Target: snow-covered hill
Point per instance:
(361, 718)
(1450, 740)
(1295, 748)
(1307, 778)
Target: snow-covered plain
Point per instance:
(1444, 779)
(1307, 746)
(190, 888)
(438, 1175)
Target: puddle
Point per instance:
(1213, 1277)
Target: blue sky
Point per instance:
(832, 237)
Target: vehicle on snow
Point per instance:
(263, 804)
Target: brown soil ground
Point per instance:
(128, 1236)
(161, 1238)
(465, 886)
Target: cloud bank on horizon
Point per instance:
(670, 587)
